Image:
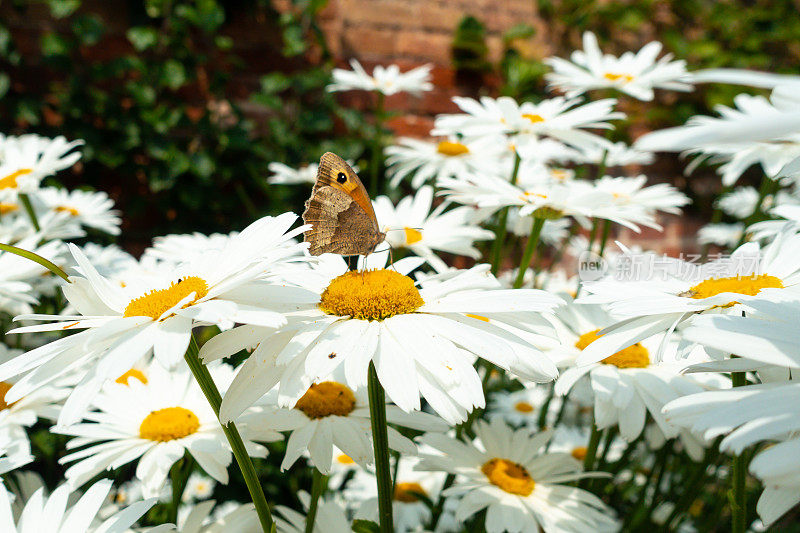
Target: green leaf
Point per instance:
(365, 526)
(54, 45)
(63, 8)
(5, 83)
(173, 75)
(36, 258)
(142, 37)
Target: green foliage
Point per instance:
(469, 47)
(160, 106)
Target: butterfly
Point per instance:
(340, 212)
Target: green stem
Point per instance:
(26, 203)
(738, 494)
(377, 147)
(591, 453)
(36, 258)
(179, 475)
(209, 388)
(318, 485)
(694, 485)
(380, 443)
(530, 248)
(502, 222)
(606, 232)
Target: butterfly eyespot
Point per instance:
(341, 178)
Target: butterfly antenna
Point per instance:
(391, 259)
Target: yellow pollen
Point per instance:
(371, 295)
(559, 174)
(4, 387)
(132, 373)
(64, 209)
(523, 407)
(533, 118)
(509, 476)
(343, 459)
(624, 78)
(169, 424)
(412, 235)
(451, 149)
(7, 208)
(579, 453)
(326, 399)
(635, 356)
(749, 285)
(157, 302)
(10, 181)
(477, 317)
(408, 492)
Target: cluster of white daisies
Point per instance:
(519, 396)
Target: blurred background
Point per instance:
(184, 103)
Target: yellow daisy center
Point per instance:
(157, 302)
(635, 356)
(326, 399)
(451, 148)
(132, 373)
(371, 295)
(6, 208)
(4, 387)
(344, 459)
(509, 476)
(624, 78)
(64, 209)
(408, 492)
(412, 235)
(10, 181)
(749, 285)
(523, 407)
(533, 118)
(169, 424)
(579, 453)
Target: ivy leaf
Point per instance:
(173, 75)
(63, 8)
(365, 526)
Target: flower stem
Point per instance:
(318, 485)
(209, 388)
(502, 222)
(591, 453)
(36, 258)
(606, 232)
(530, 248)
(380, 443)
(179, 475)
(738, 494)
(26, 203)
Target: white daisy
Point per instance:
(175, 249)
(408, 509)
(636, 380)
(522, 488)
(15, 451)
(633, 74)
(286, 175)
(727, 235)
(386, 80)
(428, 160)
(549, 200)
(411, 224)
(155, 423)
(330, 517)
(25, 160)
(728, 139)
(422, 341)
(124, 324)
(241, 518)
(331, 415)
(523, 407)
(44, 402)
(562, 119)
(573, 440)
(617, 154)
(81, 208)
(654, 294)
(638, 202)
(739, 203)
(198, 487)
(52, 514)
(342, 467)
(19, 276)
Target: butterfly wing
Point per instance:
(340, 212)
